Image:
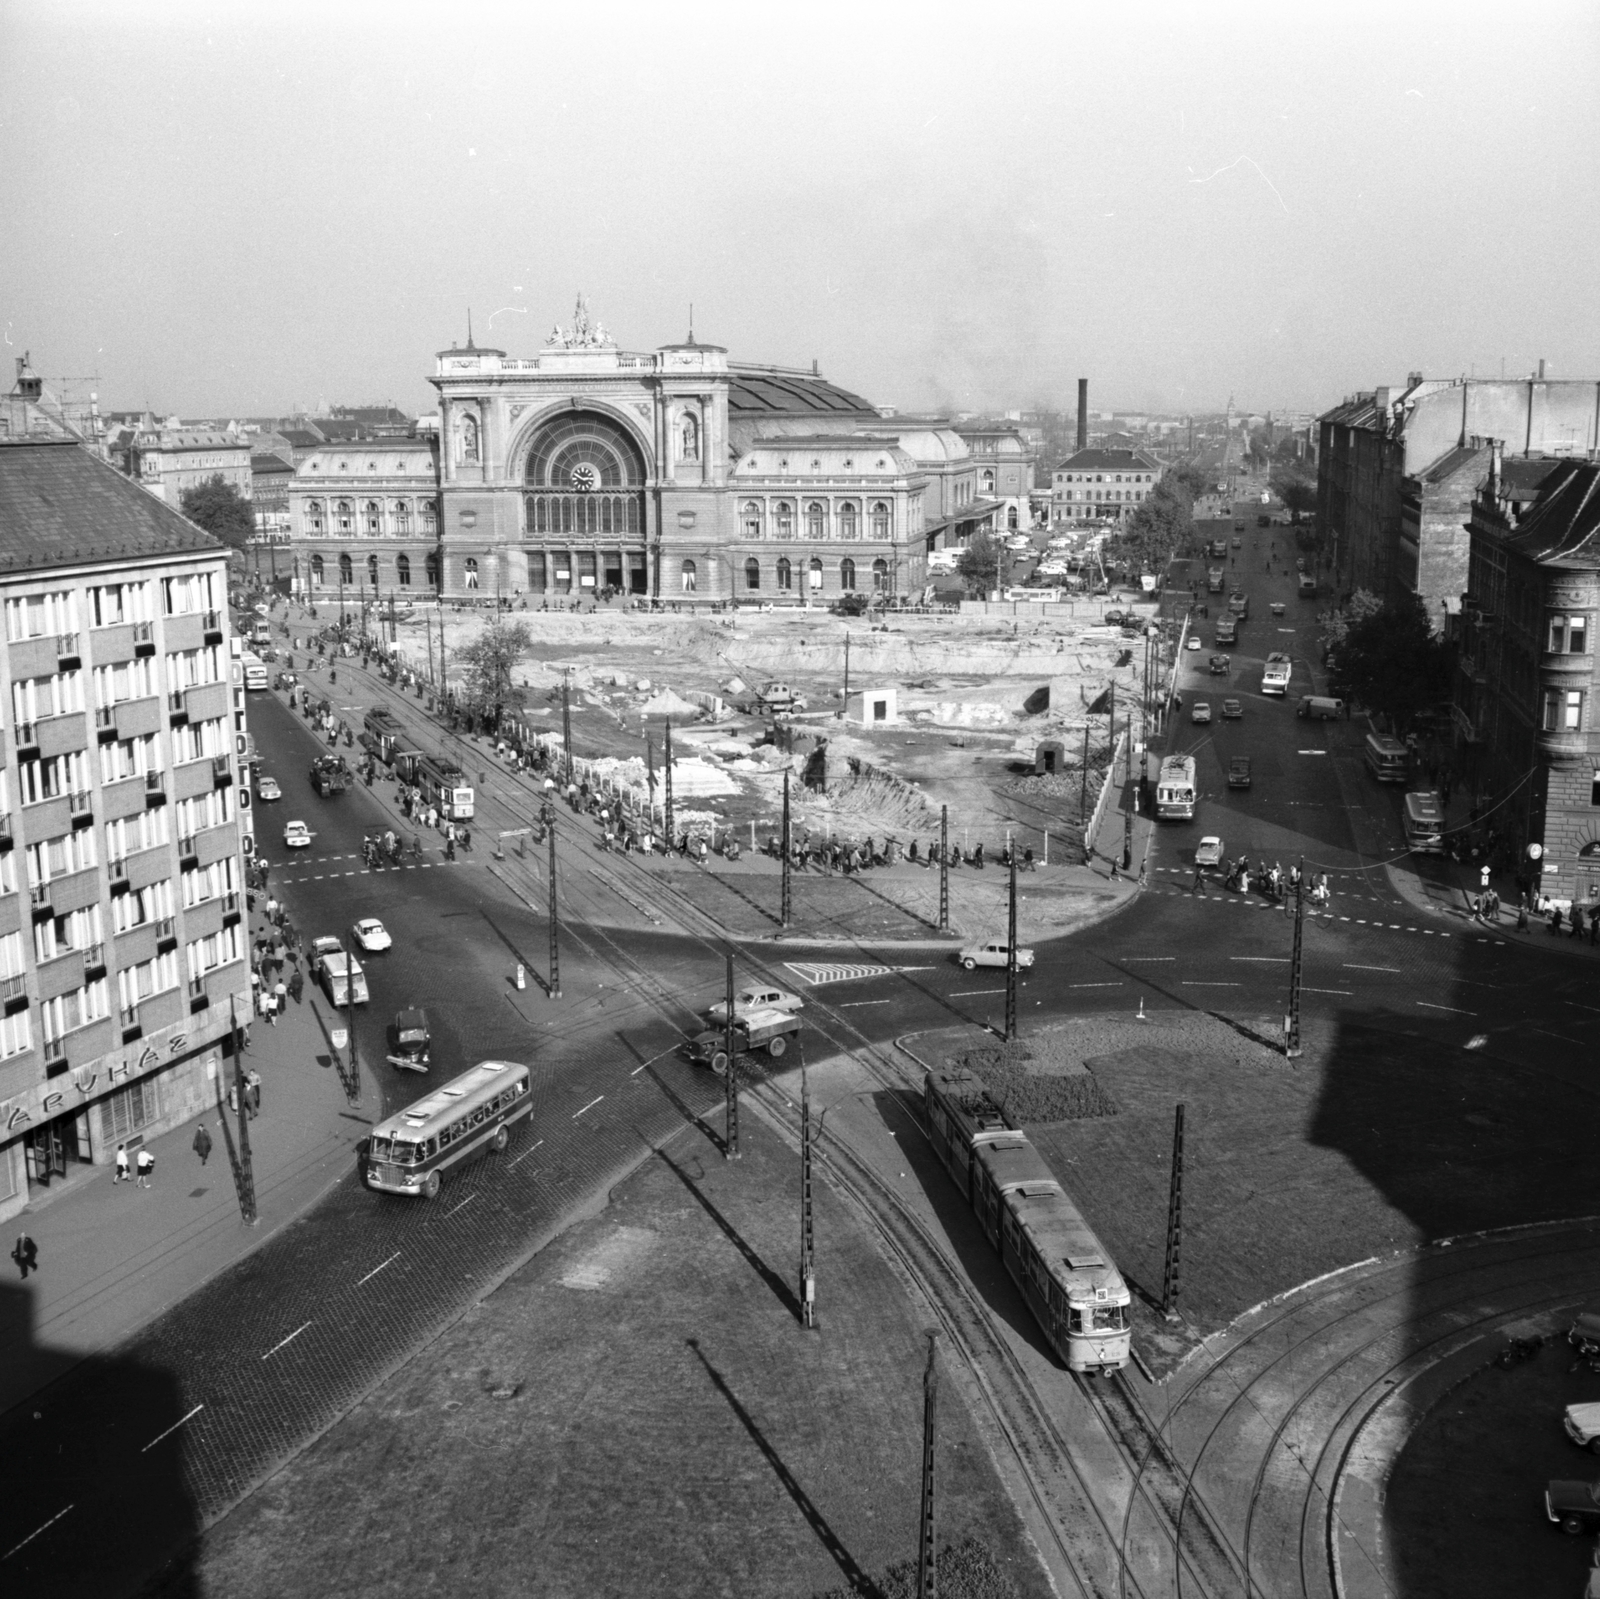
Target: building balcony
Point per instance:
(144, 638)
(27, 739)
(177, 708)
(69, 657)
(105, 724)
(221, 771)
(14, 994)
(166, 935)
(7, 834)
(212, 623)
(94, 963)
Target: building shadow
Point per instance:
(94, 1492)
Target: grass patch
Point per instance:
(966, 1571)
(1037, 1095)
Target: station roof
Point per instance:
(775, 391)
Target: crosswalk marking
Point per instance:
(816, 973)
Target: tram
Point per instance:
(1074, 1290)
(442, 783)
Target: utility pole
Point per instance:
(444, 681)
(341, 596)
(730, 1080)
(352, 1087)
(1169, 1277)
(1291, 1022)
(1083, 790)
(847, 667)
(666, 759)
(786, 906)
(1011, 952)
(927, 1545)
(566, 721)
(555, 942)
(944, 868)
(808, 1258)
(244, 1177)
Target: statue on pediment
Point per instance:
(582, 335)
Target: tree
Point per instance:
(1295, 486)
(1336, 624)
(1390, 662)
(218, 507)
(488, 667)
(979, 566)
(1161, 523)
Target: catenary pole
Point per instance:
(928, 1528)
(566, 722)
(1169, 1276)
(730, 1080)
(786, 908)
(808, 1259)
(666, 761)
(944, 868)
(244, 1177)
(1011, 951)
(555, 939)
(1291, 1022)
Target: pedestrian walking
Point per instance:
(145, 1165)
(121, 1173)
(297, 987)
(202, 1143)
(26, 1254)
(1522, 917)
(1555, 922)
(252, 1089)
(1199, 880)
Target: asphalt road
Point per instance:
(146, 1448)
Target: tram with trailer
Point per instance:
(408, 1153)
(1071, 1285)
(442, 783)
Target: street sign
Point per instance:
(339, 1037)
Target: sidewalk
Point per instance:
(112, 1255)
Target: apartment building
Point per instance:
(124, 807)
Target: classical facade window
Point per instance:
(687, 577)
(432, 567)
(847, 575)
(314, 522)
(372, 517)
(880, 576)
(814, 575)
(1563, 710)
(402, 516)
(880, 519)
(471, 567)
(584, 475)
(785, 574)
(1011, 518)
(372, 570)
(988, 481)
(816, 520)
(346, 570)
(1569, 635)
(752, 573)
(752, 519)
(402, 570)
(344, 517)
(785, 519)
(316, 571)
(849, 521)
(430, 516)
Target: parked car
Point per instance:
(1319, 708)
(1573, 1506)
(1583, 1425)
(371, 934)
(1221, 665)
(339, 973)
(751, 999)
(1232, 710)
(1239, 772)
(1209, 851)
(267, 789)
(297, 836)
(1194, 642)
(994, 952)
(1200, 711)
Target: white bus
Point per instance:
(1275, 675)
(1424, 821)
(1387, 758)
(408, 1153)
(1175, 789)
(255, 671)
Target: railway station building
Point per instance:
(123, 944)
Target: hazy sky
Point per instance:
(227, 208)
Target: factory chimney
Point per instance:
(1083, 413)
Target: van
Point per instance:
(1319, 708)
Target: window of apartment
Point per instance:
(204, 810)
(816, 520)
(111, 604)
(141, 906)
(344, 516)
(39, 615)
(53, 776)
(785, 519)
(220, 949)
(210, 882)
(12, 957)
(155, 976)
(752, 519)
(1563, 710)
(402, 571)
(127, 680)
(1569, 635)
(194, 668)
(34, 698)
(848, 520)
(61, 935)
(58, 857)
(131, 834)
(372, 517)
(880, 519)
(67, 1012)
(16, 1034)
(195, 741)
(185, 596)
(129, 757)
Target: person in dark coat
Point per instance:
(26, 1254)
(202, 1143)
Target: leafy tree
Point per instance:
(1189, 479)
(1390, 662)
(218, 507)
(1336, 624)
(979, 565)
(1295, 486)
(1161, 523)
(488, 667)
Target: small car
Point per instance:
(1583, 1425)
(1239, 772)
(1209, 851)
(1194, 642)
(371, 934)
(1299, 563)
(1200, 711)
(1573, 1506)
(752, 999)
(1238, 542)
(994, 952)
(297, 836)
(267, 789)
(1221, 665)
(1232, 710)
(411, 1041)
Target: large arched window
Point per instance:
(471, 572)
(687, 577)
(752, 573)
(402, 516)
(816, 520)
(372, 517)
(752, 519)
(988, 481)
(316, 571)
(880, 576)
(430, 516)
(402, 570)
(847, 575)
(313, 516)
(814, 575)
(1011, 519)
(372, 570)
(849, 521)
(432, 565)
(785, 574)
(880, 519)
(344, 517)
(785, 519)
(346, 570)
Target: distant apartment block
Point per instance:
(1101, 485)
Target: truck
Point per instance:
(1239, 604)
(1227, 630)
(1215, 580)
(329, 775)
(339, 972)
(1307, 584)
(780, 697)
(768, 1029)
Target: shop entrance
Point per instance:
(49, 1150)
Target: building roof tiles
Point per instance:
(1563, 527)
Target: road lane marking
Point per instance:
(1313, 752)
(1344, 991)
(172, 1429)
(35, 1533)
(1150, 957)
(376, 1269)
(855, 1004)
(1281, 959)
(590, 1106)
(1188, 984)
(289, 1340)
(530, 1149)
(1456, 1008)
(467, 1201)
(1352, 966)
(1094, 985)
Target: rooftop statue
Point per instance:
(582, 335)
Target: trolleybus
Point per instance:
(1387, 758)
(443, 784)
(1070, 1283)
(408, 1153)
(255, 671)
(1175, 789)
(1424, 819)
(1275, 675)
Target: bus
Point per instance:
(408, 1153)
(255, 671)
(1227, 629)
(1239, 604)
(1214, 580)
(442, 783)
(1275, 675)
(1424, 821)
(1387, 758)
(1175, 789)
